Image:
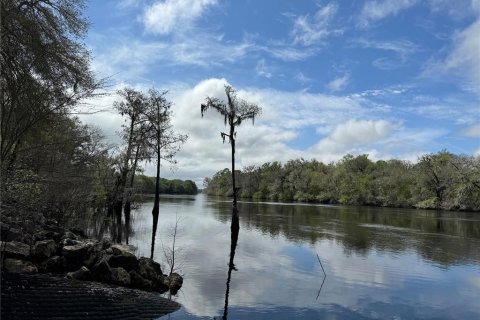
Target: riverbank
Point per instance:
(33, 244)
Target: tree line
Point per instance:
(437, 181)
(146, 185)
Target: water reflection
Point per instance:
(380, 263)
(234, 230)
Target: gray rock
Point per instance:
(83, 253)
(120, 277)
(162, 283)
(29, 226)
(78, 252)
(123, 249)
(13, 234)
(126, 260)
(81, 274)
(55, 264)
(175, 282)
(149, 269)
(70, 235)
(47, 235)
(102, 271)
(139, 282)
(14, 249)
(20, 266)
(44, 249)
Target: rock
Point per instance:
(47, 235)
(123, 249)
(29, 226)
(162, 283)
(44, 249)
(55, 264)
(139, 282)
(149, 269)
(13, 234)
(81, 274)
(14, 249)
(20, 266)
(55, 229)
(102, 271)
(78, 232)
(126, 260)
(82, 253)
(175, 282)
(120, 277)
(69, 242)
(70, 235)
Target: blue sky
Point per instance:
(391, 78)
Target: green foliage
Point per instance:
(437, 181)
(146, 185)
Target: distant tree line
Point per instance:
(146, 185)
(437, 181)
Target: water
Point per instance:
(379, 263)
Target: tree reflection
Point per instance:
(234, 231)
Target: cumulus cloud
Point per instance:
(164, 17)
(310, 30)
(353, 133)
(374, 11)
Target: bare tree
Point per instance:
(234, 111)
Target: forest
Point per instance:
(52, 163)
(437, 181)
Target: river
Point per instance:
(372, 263)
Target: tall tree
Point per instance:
(163, 142)
(45, 67)
(234, 111)
(132, 107)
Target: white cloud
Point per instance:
(351, 134)
(311, 30)
(339, 83)
(164, 17)
(374, 11)
(473, 131)
(463, 59)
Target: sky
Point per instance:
(387, 78)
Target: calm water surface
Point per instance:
(380, 263)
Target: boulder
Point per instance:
(13, 234)
(139, 282)
(83, 253)
(20, 266)
(122, 249)
(162, 283)
(46, 235)
(102, 271)
(120, 277)
(175, 282)
(14, 249)
(149, 269)
(44, 249)
(126, 260)
(55, 264)
(29, 226)
(81, 274)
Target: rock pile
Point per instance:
(42, 246)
